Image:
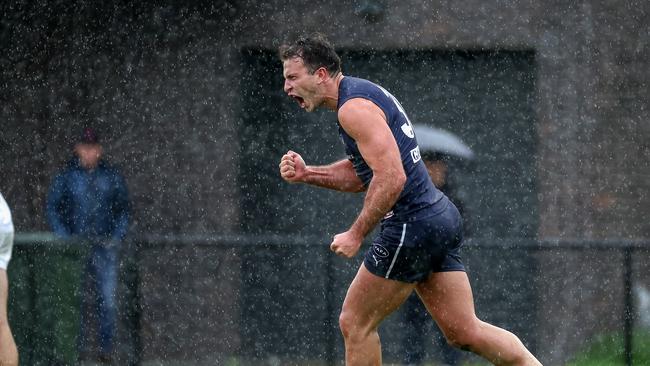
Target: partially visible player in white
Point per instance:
(8, 350)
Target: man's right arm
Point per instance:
(55, 201)
(339, 176)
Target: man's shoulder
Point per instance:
(109, 167)
(357, 88)
(68, 170)
(112, 171)
(354, 84)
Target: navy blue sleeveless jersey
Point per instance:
(419, 192)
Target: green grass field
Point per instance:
(608, 350)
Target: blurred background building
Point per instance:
(552, 96)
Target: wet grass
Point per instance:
(608, 350)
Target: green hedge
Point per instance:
(43, 306)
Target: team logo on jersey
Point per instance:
(415, 154)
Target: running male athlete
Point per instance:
(420, 238)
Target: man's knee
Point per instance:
(464, 344)
(346, 323)
(350, 327)
(465, 338)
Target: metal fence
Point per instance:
(207, 297)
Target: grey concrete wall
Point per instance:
(162, 84)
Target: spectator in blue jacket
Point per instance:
(88, 200)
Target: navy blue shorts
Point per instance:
(410, 251)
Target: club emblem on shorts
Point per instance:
(379, 251)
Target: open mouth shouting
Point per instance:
(300, 100)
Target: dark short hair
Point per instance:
(315, 51)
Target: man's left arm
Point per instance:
(121, 208)
(366, 124)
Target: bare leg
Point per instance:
(448, 297)
(8, 351)
(369, 300)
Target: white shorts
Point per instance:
(6, 246)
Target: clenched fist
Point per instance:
(292, 167)
(346, 244)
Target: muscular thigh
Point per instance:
(448, 297)
(371, 298)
